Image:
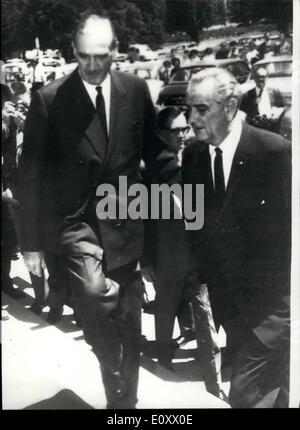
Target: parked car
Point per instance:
(286, 124)
(66, 69)
(173, 93)
(146, 54)
(15, 70)
(119, 57)
(15, 61)
(148, 71)
(279, 70)
(50, 62)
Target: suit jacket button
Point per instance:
(80, 162)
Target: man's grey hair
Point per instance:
(226, 85)
(88, 17)
(258, 70)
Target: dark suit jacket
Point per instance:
(243, 252)
(249, 103)
(64, 160)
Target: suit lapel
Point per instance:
(118, 117)
(94, 134)
(239, 163)
(206, 168)
(84, 113)
(81, 106)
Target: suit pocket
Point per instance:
(137, 124)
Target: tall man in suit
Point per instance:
(243, 250)
(87, 129)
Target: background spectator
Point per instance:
(223, 52)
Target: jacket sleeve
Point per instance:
(30, 174)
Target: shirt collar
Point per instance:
(105, 85)
(258, 91)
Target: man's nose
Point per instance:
(194, 117)
(92, 64)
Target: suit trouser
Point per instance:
(8, 242)
(257, 371)
(209, 352)
(108, 304)
(169, 303)
(54, 291)
(170, 268)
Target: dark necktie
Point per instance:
(100, 107)
(219, 178)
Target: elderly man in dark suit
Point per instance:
(84, 130)
(243, 250)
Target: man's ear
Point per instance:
(115, 49)
(231, 108)
(74, 49)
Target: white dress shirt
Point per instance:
(228, 147)
(106, 91)
(264, 104)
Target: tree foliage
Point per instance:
(136, 21)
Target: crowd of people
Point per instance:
(97, 125)
(248, 50)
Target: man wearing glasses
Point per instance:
(169, 254)
(174, 129)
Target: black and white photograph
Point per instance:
(150, 239)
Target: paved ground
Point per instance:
(51, 367)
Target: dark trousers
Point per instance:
(55, 291)
(257, 371)
(8, 242)
(209, 353)
(108, 304)
(169, 304)
(171, 299)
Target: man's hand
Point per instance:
(148, 273)
(19, 119)
(8, 110)
(7, 193)
(34, 262)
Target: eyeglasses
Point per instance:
(175, 131)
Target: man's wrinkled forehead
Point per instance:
(96, 36)
(201, 92)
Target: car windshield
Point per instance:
(185, 74)
(280, 68)
(238, 69)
